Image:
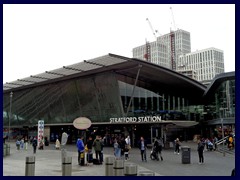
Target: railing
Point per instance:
(221, 141)
(222, 147)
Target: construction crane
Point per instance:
(154, 34)
(172, 43)
(174, 25)
(171, 48)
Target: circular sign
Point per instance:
(82, 123)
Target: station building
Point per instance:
(120, 95)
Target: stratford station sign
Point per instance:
(145, 119)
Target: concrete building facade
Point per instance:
(207, 63)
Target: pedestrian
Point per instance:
(230, 142)
(34, 144)
(18, 142)
(101, 153)
(26, 143)
(200, 149)
(177, 146)
(143, 149)
(57, 144)
(80, 146)
(158, 145)
(122, 146)
(128, 147)
(97, 144)
(89, 149)
(117, 148)
(41, 144)
(22, 144)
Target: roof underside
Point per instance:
(154, 74)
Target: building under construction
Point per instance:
(166, 50)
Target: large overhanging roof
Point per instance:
(155, 75)
(77, 68)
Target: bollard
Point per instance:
(4, 149)
(109, 166)
(67, 166)
(8, 149)
(30, 166)
(130, 170)
(146, 173)
(118, 167)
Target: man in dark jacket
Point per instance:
(200, 149)
(158, 145)
(80, 146)
(97, 144)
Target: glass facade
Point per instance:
(98, 97)
(222, 103)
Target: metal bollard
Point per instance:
(67, 166)
(109, 166)
(146, 173)
(8, 149)
(30, 166)
(4, 149)
(130, 170)
(118, 167)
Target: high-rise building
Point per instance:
(207, 63)
(166, 49)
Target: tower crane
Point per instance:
(174, 25)
(172, 43)
(154, 34)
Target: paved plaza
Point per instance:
(48, 162)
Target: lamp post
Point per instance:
(222, 109)
(10, 115)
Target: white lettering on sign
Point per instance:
(146, 119)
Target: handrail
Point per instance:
(223, 140)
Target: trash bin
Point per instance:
(186, 155)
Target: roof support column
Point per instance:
(139, 68)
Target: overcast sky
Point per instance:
(39, 38)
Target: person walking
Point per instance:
(18, 142)
(34, 145)
(117, 148)
(177, 146)
(143, 149)
(22, 144)
(200, 149)
(128, 147)
(80, 146)
(158, 145)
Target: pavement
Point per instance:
(48, 162)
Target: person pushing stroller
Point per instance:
(157, 149)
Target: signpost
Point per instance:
(40, 130)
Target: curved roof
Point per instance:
(216, 82)
(154, 74)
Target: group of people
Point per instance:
(23, 144)
(91, 144)
(121, 147)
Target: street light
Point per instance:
(10, 115)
